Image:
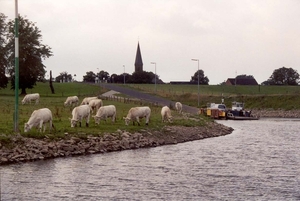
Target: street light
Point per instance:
(155, 74)
(124, 73)
(198, 78)
(97, 76)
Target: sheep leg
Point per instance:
(41, 126)
(138, 121)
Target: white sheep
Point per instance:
(71, 100)
(86, 100)
(178, 107)
(104, 112)
(95, 104)
(38, 119)
(79, 113)
(135, 113)
(31, 97)
(166, 114)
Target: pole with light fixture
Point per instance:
(124, 73)
(155, 74)
(98, 76)
(198, 80)
(16, 113)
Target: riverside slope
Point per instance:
(22, 149)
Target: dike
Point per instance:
(24, 149)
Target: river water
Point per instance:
(260, 160)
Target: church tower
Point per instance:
(138, 60)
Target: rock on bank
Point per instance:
(24, 149)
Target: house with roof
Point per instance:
(242, 80)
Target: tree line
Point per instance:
(280, 76)
(143, 77)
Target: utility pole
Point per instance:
(16, 113)
(198, 81)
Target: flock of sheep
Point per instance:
(40, 117)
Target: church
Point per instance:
(138, 64)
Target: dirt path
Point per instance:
(147, 97)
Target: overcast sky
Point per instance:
(229, 37)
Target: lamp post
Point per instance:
(124, 73)
(155, 74)
(16, 113)
(198, 78)
(97, 75)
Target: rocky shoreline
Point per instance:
(271, 113)
(22, 149)
(28, 149)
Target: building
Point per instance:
(138, 64)
(241, 81)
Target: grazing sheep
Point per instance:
(135, 113)
(95, 104)
(79, 113)
(178, 107)
(86, 100)
(166, 114)
(31, 97)
(71, 100)
(38, 119)
(104, 112)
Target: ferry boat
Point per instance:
(237, 112)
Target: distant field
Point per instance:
(260, 97)
(61, 89)
(218, 89)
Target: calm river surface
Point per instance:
(260, 160)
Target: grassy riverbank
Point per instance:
(62, 114)
(67, 141)
(255, 97)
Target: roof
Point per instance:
(138, 60)
(241, 81)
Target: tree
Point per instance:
(284, 76)
(202, 79)
(119, 78)
(3, 52)
(114, 78)
(103, 75)
(50, 83)
(31, 54)
(63, 77)
(142, 77)
(89, 77)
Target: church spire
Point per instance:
(138, 60)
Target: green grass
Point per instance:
(61, 114)
(260, 97)
(61, 90)
(217, 90)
